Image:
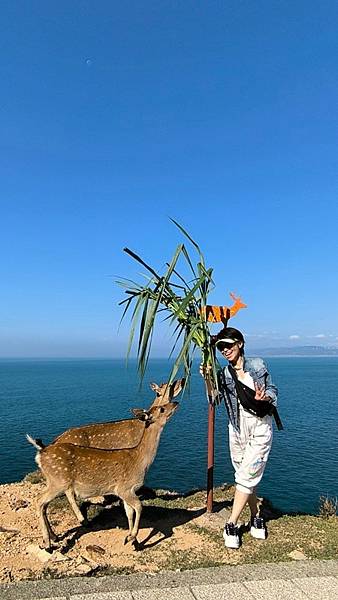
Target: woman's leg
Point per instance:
(253, 504)
(238, 441)
(252, 467)
(240, 500)
(249, 453)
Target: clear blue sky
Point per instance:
(116, 116)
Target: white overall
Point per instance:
(250, 447)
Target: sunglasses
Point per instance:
(225, 346)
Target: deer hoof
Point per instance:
(129, 538)
(85, 523)
(47, 548)
(136, 545)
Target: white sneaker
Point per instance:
(258, 528)
(230, 535)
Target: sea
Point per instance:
(47, 396)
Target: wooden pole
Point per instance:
(226, 314)
(210, 475)
(211, 444)
(211, 437)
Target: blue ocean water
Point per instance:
(45, 397)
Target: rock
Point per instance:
(6, 530)
(213, 521)
(39, 553)
(83, 568)
(58, 557)
(19, 504)
(297, 555)
(93, 550)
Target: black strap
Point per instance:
(259, 408)
(277, 418)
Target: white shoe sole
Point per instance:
(258, 534)
(231, 541)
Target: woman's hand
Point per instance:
(260, 393)
(205, 370)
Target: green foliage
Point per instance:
(328, 506)
(180, 299)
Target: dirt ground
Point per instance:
(175, 533)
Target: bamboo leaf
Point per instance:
(128, 301)
(179, 335)
(187, 257)
(190, 239)
(183, 356)
(126, 283)
(206, 280)
(190, 298)
(143, 320)
(181, 287)
(140, 260)
(180, 301)
(137, 308)
(146, 335)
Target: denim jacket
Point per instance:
(260, 375)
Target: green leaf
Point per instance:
(136, 257)
(190, 239)
(180, 305)
(134, 319)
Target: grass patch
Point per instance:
(34, 477)
(103, 570)
(314, 537)
(184, 560)
(328, 506)
(193, 499)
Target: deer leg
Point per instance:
(133, 501)
(138, 509)
(130, 515)
(48, 534)
(52, 535)
(71, 499)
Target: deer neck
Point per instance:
(148, 446)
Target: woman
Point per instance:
(250, 398)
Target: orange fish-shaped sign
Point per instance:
(221, 314)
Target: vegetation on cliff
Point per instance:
(176, 533)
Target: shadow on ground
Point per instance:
(161, 520)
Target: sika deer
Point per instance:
(86, 472)
(118, 434)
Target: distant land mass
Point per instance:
(297, 351)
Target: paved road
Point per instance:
(317, 580)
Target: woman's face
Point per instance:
(230, 351)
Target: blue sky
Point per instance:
(117, 116)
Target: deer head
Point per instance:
(165, 391)
(156, 414)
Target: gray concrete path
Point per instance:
(317, 580)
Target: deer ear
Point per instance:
(177, 387)
(140, 413)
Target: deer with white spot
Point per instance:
(86, 472)
(118, 434)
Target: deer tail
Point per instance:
(38, 444)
